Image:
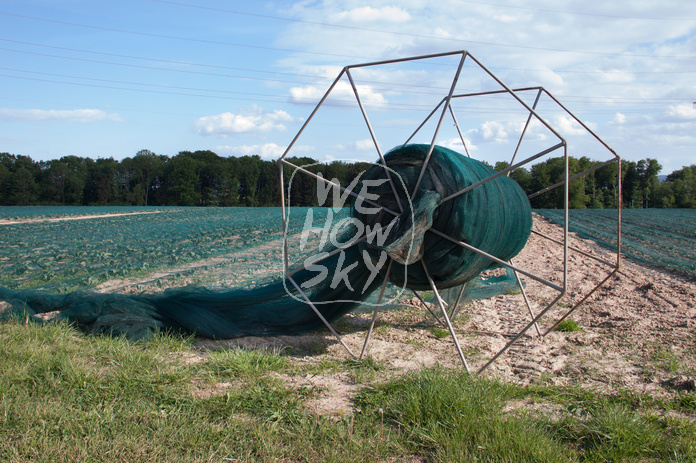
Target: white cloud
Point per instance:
(683, 112)
(306, 94)
(266, 150)
(365, 145)
(456, 144)
(617, 76)
(58, 115)
(620, 72)
(342, 93)
(505, 18)
(364, 14)
(566, 125)
(492, 131)
(256, 120)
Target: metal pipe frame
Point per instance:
(444, 315)
(447, 102)
(374, 140)
(374, 313)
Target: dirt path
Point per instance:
(72, 217)
(637, 332)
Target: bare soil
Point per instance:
(70, 217)
(637, 332)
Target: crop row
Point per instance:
(660, 237)
(76, 254)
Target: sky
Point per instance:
(107, 79)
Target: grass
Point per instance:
(65, 396)
(568, 326)
(439, 332)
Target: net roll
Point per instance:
(494, 217)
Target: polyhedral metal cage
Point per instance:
(460, 89)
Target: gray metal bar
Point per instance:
(374, 140)
(328, 325)
(573, 248)
(454, 310)
(285, 223)
(425, 121)
(311, 116)
(526, 300)
(585, 172)
(495, 92)
(515, 96)
(521, 333)
(425, 304)
(495, 259)
(581, 301)
(447, 320)
(456, 125)
(412, 58)
(524, 131)
(374, 313)
(566, 218)
(414, 193)
(502, 172)
(584, 126)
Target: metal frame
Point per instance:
(445, 108)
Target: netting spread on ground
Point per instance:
(494, 217)
(660, 237)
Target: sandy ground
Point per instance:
(70, 217)
(637, 331)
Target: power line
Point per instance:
(165, 36)
(266, 97)
(260, 71)
(388, 86)
(140, 66)
(156, 60)
(214, 42)
(318, 78)
(573, 13)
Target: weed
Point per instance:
(568, 326)
(365, 369)
(245, 363)
(687, 401)
(69, 397)
(439, 332)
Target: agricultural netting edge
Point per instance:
(660, 237)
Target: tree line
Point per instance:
(202, 178)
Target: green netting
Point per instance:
(494, 217)
(660, 237)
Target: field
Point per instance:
(661, 237)
(616, 384)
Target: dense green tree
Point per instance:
(183, 184)
(202, 178)
(21, 188)
(146, 167)
(102, 187)
(681, 187)
(648, 182)
(4, 176)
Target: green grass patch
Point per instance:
(568, 326)
(65, 396)
(439, 332)
(245, 363)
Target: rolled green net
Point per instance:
(494, 217)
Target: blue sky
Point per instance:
(107, 79)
